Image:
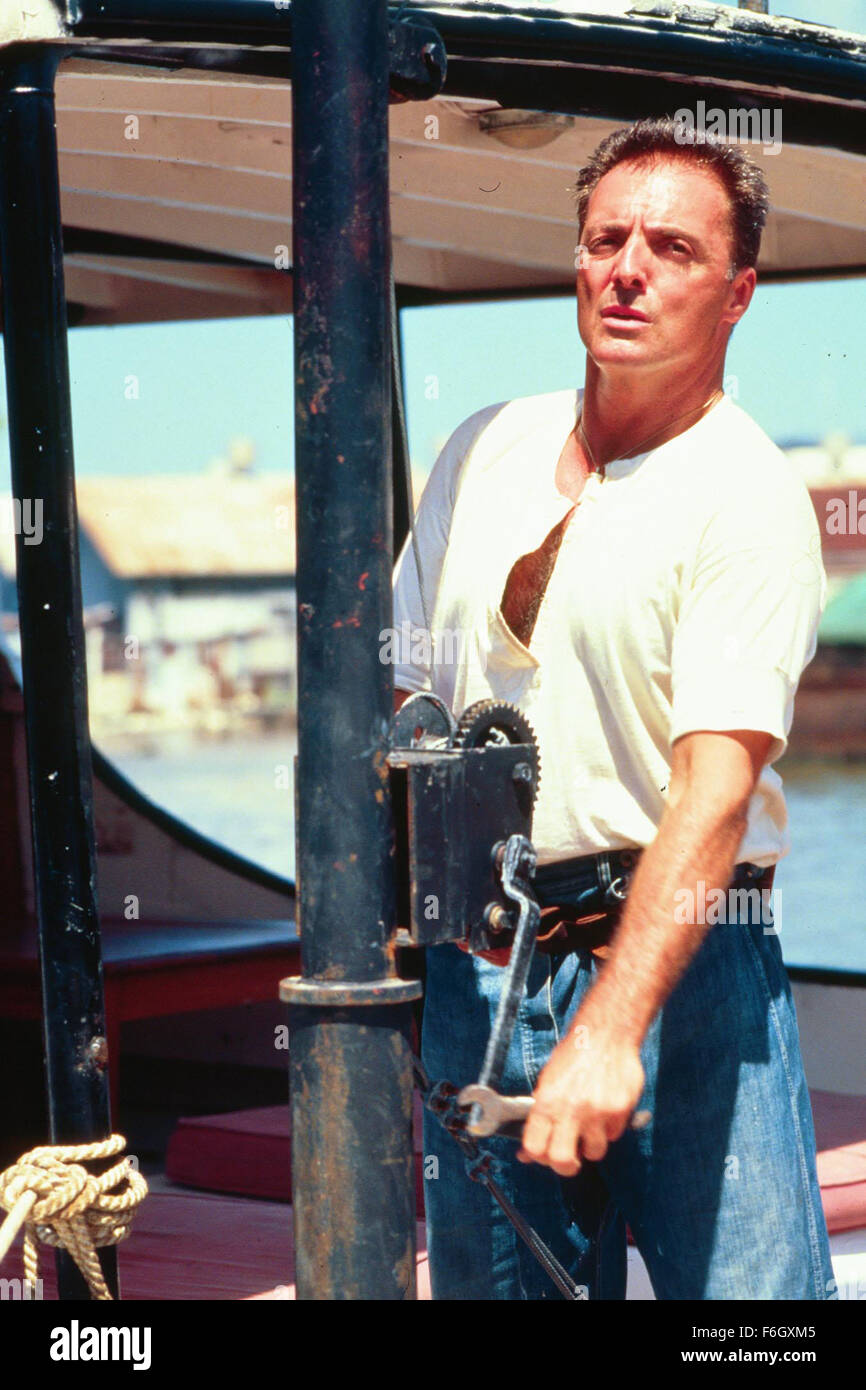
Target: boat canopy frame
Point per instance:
(500, 48)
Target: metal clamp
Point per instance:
(616, 891)
(417, 59)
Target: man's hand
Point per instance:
(584, 1100)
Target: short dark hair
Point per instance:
(663, 137)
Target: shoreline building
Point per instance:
(188, 584)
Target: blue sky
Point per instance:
(797, 358)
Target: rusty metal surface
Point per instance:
(354, 1203)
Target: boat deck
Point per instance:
(188, 1245)
(199, 1246)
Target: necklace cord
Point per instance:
(600, 468)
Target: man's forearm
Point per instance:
(651, 949)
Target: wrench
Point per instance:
(496, 1114)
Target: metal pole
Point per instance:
(50, 616)
(350, 1016)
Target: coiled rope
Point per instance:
(59, 1202)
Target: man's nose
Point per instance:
(630, 268)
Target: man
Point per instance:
(635, 566)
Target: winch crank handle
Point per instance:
(518, 857)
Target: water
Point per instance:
(240, 793)
(823, 879)
(237, 791)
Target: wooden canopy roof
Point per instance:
(176, 172)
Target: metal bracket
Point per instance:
(418, 60)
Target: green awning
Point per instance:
(844, 619)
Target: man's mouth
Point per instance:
(624, 313)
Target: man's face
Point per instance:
(653, 288)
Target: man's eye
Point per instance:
(680, 247)
(601, 243)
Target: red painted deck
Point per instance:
(188, 1244)
(193, 1245)
(250, 1152)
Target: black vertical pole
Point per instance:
(50, 616)
(350, 1016)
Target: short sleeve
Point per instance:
(747, 628)
(414, 601)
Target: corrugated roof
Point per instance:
(199, 525)
(191, 524)
(186, 525)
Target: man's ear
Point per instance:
(740, 294)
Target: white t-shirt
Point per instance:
(686, 595)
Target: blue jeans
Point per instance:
(719, 1190)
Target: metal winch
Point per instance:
(463, 792)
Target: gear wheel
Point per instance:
(497, 722)
(423, 721)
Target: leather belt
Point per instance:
(582, 900)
